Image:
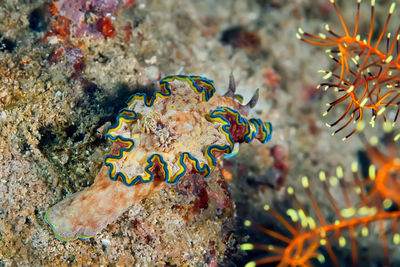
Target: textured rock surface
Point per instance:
(55, 106)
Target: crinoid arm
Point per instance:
(365, 75)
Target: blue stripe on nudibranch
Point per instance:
(239, 98)
(125, 115)
(234, 151)
(46, 219)
(254, 127)
(108, 161)
(149, 177)
(205, 92)
(203, 169)
(265, 129)
(226, 149)
(251, 132)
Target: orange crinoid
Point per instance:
(366, 73)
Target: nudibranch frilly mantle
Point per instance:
(179, 130)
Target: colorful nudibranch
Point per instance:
(179, 130)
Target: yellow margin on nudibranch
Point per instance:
(200, 85)
(265, 129)
(239, 98)
(202, 168)
(46, 218)
(234, 151)
(254, 127)
(109, 159)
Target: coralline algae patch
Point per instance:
(182, 129)
(91, 18)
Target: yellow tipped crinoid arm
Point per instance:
(365, 76)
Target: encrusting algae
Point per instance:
(182, 129)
